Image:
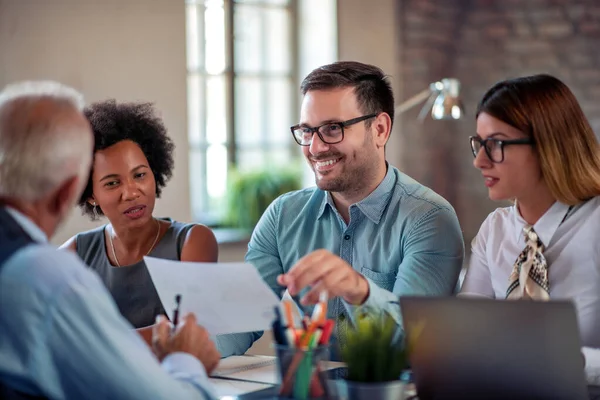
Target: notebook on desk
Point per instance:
(492, 349)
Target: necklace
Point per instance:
(112, 245)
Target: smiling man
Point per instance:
(367, 233)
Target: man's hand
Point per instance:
(189, 338)
(323, 270)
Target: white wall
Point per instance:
(127, 49)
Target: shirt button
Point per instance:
(347, 237)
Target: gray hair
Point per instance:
(39, 151)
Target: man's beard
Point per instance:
(341, 184)
(359, 167)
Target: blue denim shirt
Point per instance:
(403, 237)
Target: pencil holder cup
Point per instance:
(302, 373)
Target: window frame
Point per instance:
(204, 211)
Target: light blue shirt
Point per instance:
(403, 237)
(62, 337)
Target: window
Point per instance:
(242, 91)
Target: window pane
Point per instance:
(249, 159)
(253, 157)
(249, 109)
(279, 155)
(214, 18)
(216, 117)
(216, 177)
(195, 35)
(267, 2)
(195, 109)
(278, 56)
(279, 104)
(198, 182)
(248, 34)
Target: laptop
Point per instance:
(473, 348)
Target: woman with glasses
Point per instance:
(535, 147)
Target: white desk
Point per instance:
(240, 381)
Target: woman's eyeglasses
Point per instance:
(494, 148)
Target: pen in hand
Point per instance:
(176, 312)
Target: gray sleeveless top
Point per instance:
(131, 286)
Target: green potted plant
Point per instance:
(375, 359)
(249, 193)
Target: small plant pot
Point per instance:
(392, 390)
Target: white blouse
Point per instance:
(572, 249)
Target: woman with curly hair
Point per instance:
(133, 160)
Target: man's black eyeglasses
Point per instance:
(494, 148)
(330, 133)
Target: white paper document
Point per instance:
(226, 297)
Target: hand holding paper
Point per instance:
(226, 297)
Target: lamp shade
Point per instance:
(447, 104)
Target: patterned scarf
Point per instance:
(529, 277)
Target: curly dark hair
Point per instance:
(114, 122)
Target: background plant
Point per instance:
(249, 193)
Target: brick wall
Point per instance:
(481, 42)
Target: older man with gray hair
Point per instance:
(61, 335)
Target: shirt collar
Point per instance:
(327, 201)
(27, 225)
(371, 206)
(546, 226)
